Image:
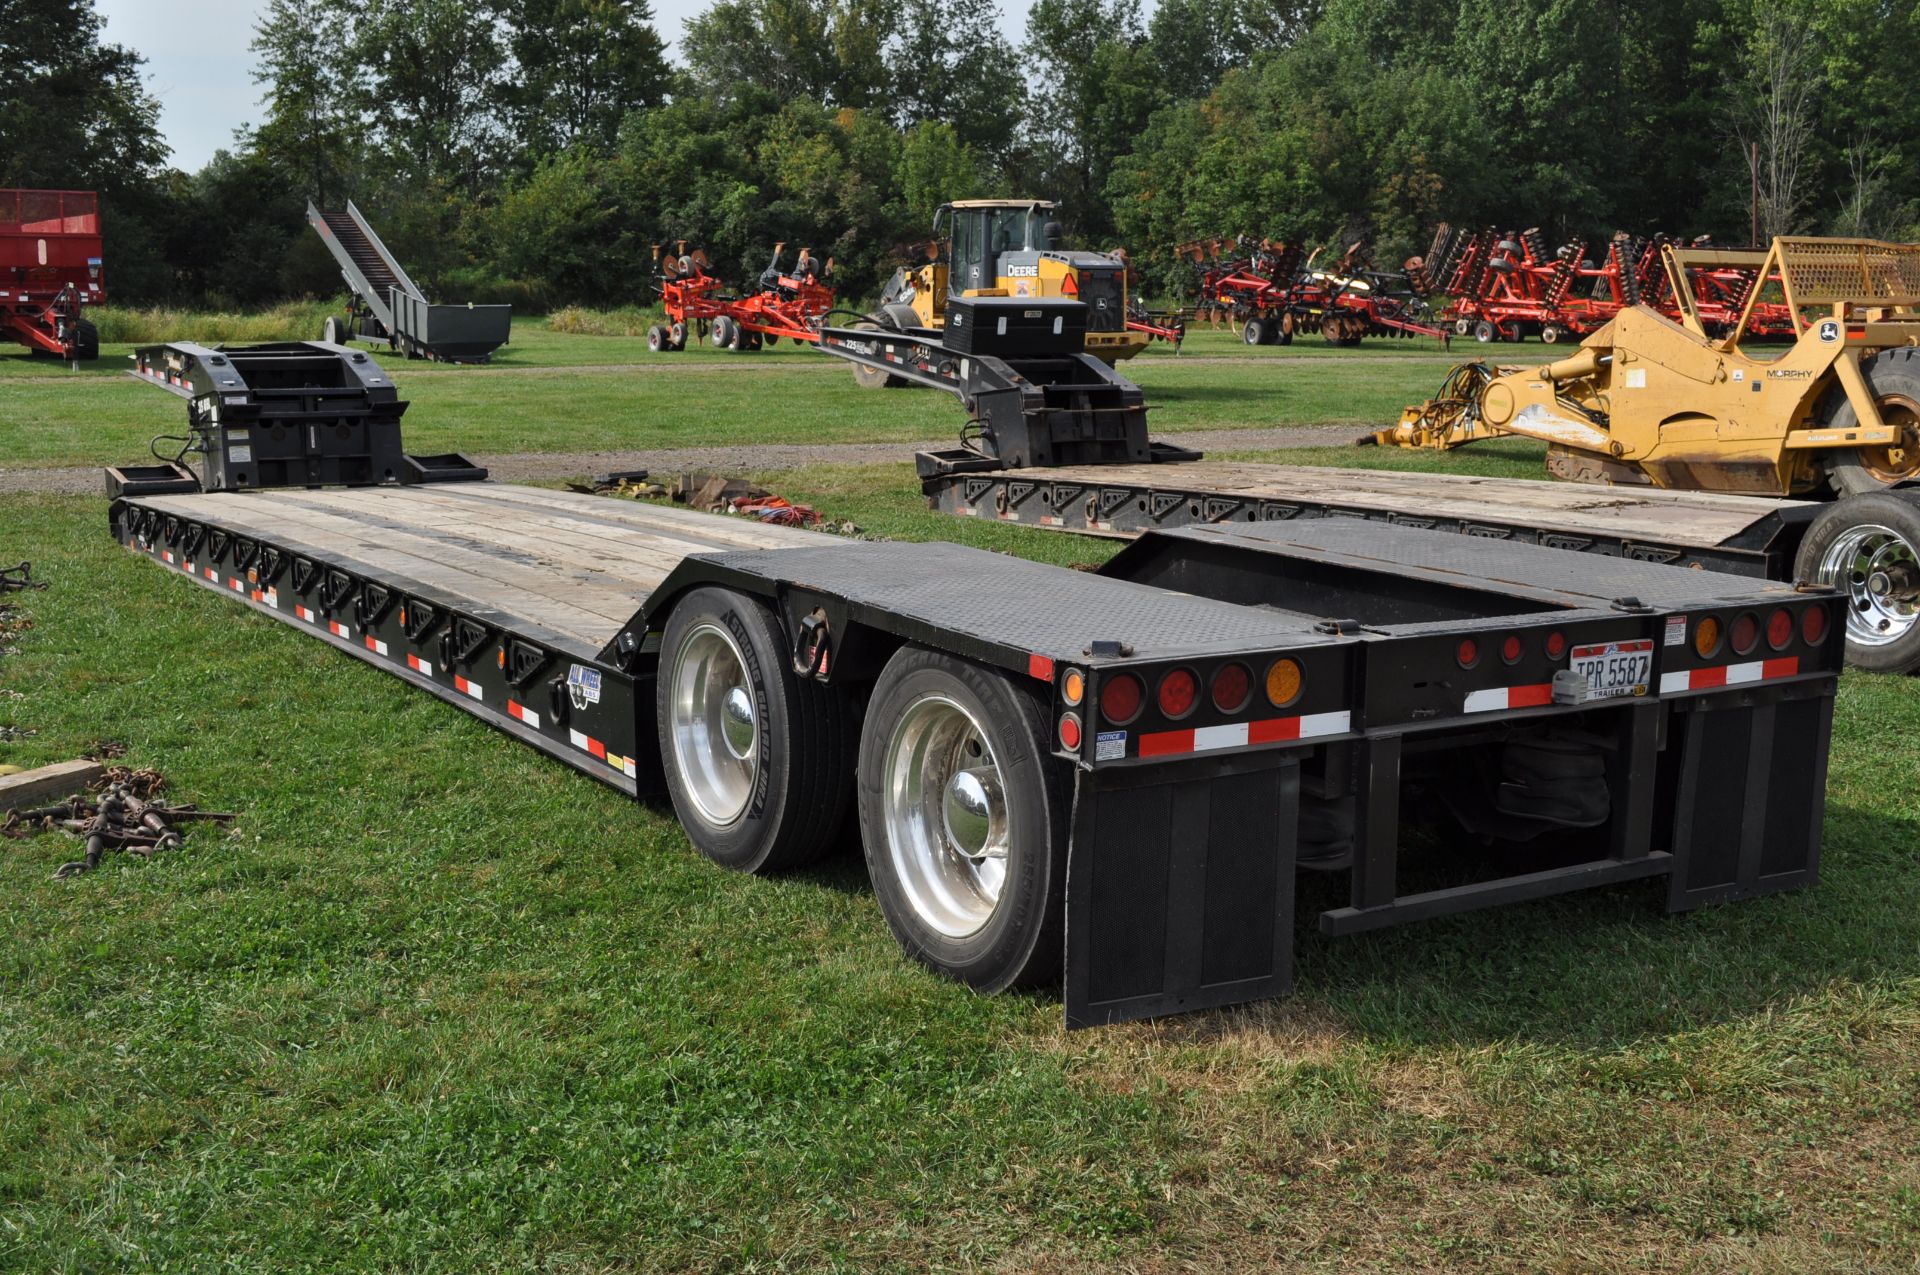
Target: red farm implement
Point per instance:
(1507, 286)
(1272, 291)
(790, 304)
(50, 270)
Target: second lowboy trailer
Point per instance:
(1105, 779)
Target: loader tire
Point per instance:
(873, 378)
(758, 761)
(86, 341)
(1868, 548)
(1893, 376)
(955, 758)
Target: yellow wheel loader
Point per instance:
(1649, 401)
(1011, 248)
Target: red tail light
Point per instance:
(1232, 687)
(1178, 691)
(1511, 648)
(1120, 698)
(1070, 732)
(1813, 625)
(1745, 633)
(1556, 645)
(1779, 629)
(1468, 653)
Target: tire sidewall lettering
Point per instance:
(762, 749)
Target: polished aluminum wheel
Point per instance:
(946, 816)
(716, 728)
(1879, 572)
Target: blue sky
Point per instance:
(200, 68)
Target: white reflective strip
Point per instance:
(1750, 672)
(1674, 683)
(1233, 735)
(577, 739)
(1486, 701)
(1325, 724)
(375, 645)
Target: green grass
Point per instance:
(600, 401)
(436, 1003)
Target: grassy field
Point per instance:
(437, 1004)
(599, 393)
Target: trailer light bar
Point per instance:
(1745, 632)
(1511, 649)
(1556, 644)
(1467, 653)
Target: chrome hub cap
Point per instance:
(715, 725)
(1880, 574)
(946, 816)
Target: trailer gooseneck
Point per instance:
(1107, 780)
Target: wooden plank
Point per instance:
(1699, 518)
(45, 785)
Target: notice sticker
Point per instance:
(240, 455)
(1636, 378)
(1110, 745)
(1676, 630)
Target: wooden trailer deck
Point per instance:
(573, 568)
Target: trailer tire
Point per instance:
(758, 761)
(86, 341)
(1868, 547)
(1893, 378)
(990, 928)
(333, 332)
(1254, 332)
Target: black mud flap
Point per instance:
(1180, 887)
(1751, 796)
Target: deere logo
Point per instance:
(1829, 330)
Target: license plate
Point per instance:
(1614, 668)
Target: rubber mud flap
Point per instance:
(1180, 887)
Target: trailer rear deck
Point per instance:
(1744, 535)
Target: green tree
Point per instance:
(73, 111)
(581, 65)
(315, 89)
(1097, 89)
(949, 63)
(1196, 42)
(825, 52)
(435, 86)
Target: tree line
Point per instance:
(535, 150)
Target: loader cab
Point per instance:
(983, 231)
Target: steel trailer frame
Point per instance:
(1406, 653)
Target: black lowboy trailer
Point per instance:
(1109, 779)
(1058, 440)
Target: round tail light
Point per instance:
(1467, 653)
(1556, 645)
(1073, 687)
(1511, 648)
(1232, 687)
(1746, 632)
(1070, 732)
(1284, 681)
(1813, 625)
(1706, 636)
(1780, 629)
(1120, 698)
(1178, 691)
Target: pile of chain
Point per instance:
(126, 815)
